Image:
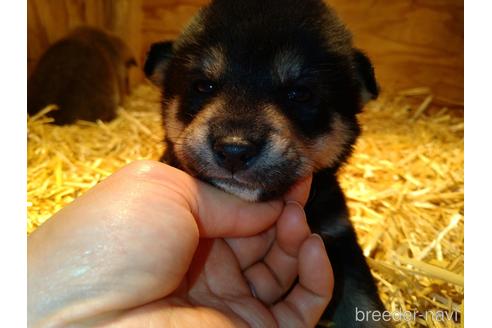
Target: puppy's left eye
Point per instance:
(205, 86)
(299, 94)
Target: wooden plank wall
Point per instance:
(412, 43)
(50, 20)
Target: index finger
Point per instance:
(299, 192)
(305, 304)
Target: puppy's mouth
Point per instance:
(236, 184)
(235, 181)
(246, 190)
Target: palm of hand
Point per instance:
(242, 281)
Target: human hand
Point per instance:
(128, 253)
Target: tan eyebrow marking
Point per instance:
(287, 65)
(214, 62)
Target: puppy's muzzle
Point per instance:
(235, 153)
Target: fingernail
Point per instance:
(296, 203)
(318, 237)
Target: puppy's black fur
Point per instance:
(257, 94)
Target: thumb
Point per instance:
(217, 213)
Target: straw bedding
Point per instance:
(404, 186)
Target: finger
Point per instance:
(217, 213)
(249, 250)
(272, 277)
(222, 215)
(292, 229)
(300, 191)
(306, 302)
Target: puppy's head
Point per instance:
(257, 94)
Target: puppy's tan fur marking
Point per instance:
(193, 141)
(328, 148)
(172, 126)
(324, 152)
(285, 144)
(214, 62)
(287, 66)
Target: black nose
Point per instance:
(234, 154)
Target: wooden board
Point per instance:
(411, 42)
(165, 19)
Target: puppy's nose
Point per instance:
(234, 154)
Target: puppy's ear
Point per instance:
(156, 62)
(365, 74)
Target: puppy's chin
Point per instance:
(243, 191)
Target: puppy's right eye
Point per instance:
(205, 86)
(299, 94)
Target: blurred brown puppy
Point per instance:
(85, 75)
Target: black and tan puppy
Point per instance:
(85, 75)
(257, 94)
